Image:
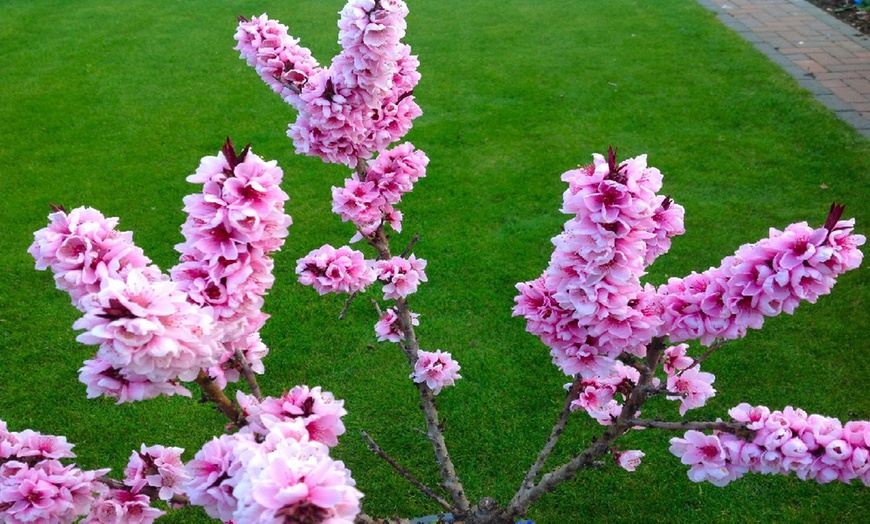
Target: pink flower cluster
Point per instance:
(589, 305)
(760, 280)
(233, 227)
(368, 203)
(120, 505)
(82, 248)
(389, 327)
(437, 369)
(400, 276)
(597, 394)
(149, 329)
(276, 56)
(691, 386)
(35, 486)
(814, 447)
(274, 469)
(319, 412)
(358, 105)
(157, 468)
(331, 270)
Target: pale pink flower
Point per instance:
(628, 460)
(293, 479)
(119, 506)
(675, 359)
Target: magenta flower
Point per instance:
(289, 478)
(389, 327)
(401, 276)
(695, 386)
(157, 467)
(318, 411)
(437, 369)
(331, 270)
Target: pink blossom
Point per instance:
(157, 467)
(695, 385)
(782, 442)
(389, 327)
(102, 379)
(121, 506)
(437, 369)
(760, 280)
(318, 411)
(675, 359)
(149, 328)
(82, 248)
(331, 270)
(401, 276)
(628, 460)
(291, 478)
(215, 470)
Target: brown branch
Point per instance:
(373, 446)
(601, 446)
(717, 344)
(346, 305)
(248, 374)
(449, 479)
(558, 428)
(407, 250)
(212, 393)
(737, 428)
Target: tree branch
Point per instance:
(346, 305)
(449, 479)
(717, 344)
(407, 250)
(558, 428)
(601, 446)
(737, 428)
(248, 374)
(212, 393)
(373, 446)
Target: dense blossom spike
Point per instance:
(233, 227)
(813, 447)
(358, 105)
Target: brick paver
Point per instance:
(829, 58)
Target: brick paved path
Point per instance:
(828, 58)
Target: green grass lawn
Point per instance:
(112, 103)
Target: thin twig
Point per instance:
(373, 446)
(346, 305)
(717, 344)
(377, 307)
(407, 250)
(558, 428)
(248, 374)
(737, 428)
